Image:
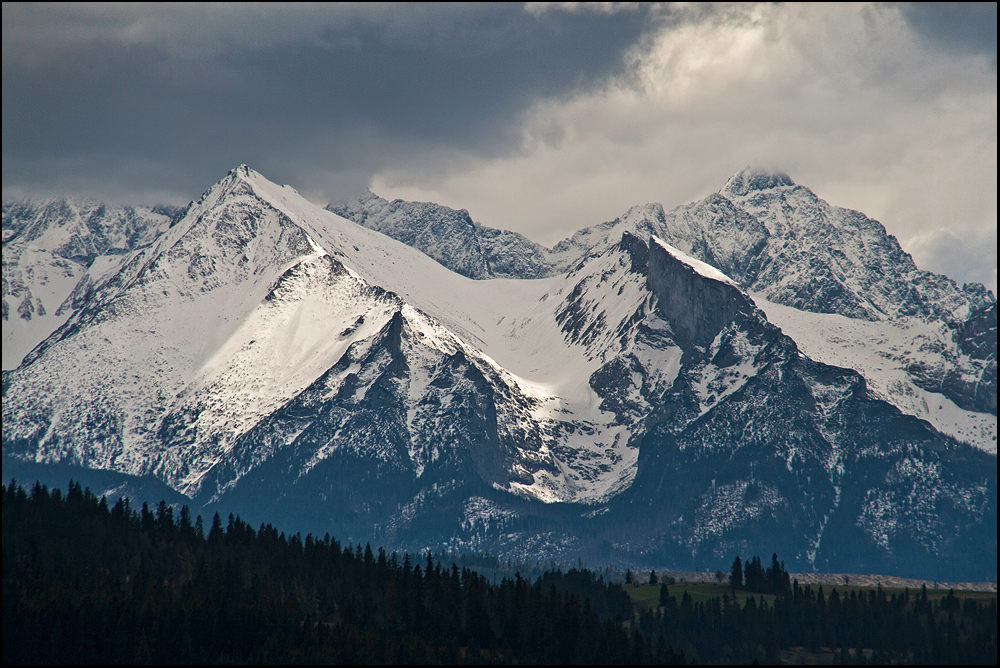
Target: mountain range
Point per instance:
(757, 371)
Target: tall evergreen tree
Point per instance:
(736, 574)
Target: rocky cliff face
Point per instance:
(787, 247)
(976, 337)
(697, 300)
(753, 439)
(843, 262)
(855, 267)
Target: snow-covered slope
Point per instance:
(532, 330)
(886, 353)
(48, 246)
(169, 309)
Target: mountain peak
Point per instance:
(246, 174)
(751, 179)
(237, 180)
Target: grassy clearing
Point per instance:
(799, 656)
(647, 596)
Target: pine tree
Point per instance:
(736, 574)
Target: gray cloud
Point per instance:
(959, 27)
(967, 256)
(177, 96)
(850, 100)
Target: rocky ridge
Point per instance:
(451, 237)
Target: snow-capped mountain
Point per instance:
(778, 448)
(48, 246)
(923, 343)
(269, 356)
(237, 310)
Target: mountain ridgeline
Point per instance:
(451, 237)
(755, 372)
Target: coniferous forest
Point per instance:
(89, 582)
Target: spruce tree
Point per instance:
(736, 574)
(664, 595)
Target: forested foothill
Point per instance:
(85, 581)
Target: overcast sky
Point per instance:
(541, 118)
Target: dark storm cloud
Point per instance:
(113, 104)
(959, 27)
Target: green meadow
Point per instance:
(647, 596)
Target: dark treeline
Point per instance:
(87, 583)
(775, 580)
(858, 627)
(496, 569)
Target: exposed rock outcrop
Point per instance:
(696, 304)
